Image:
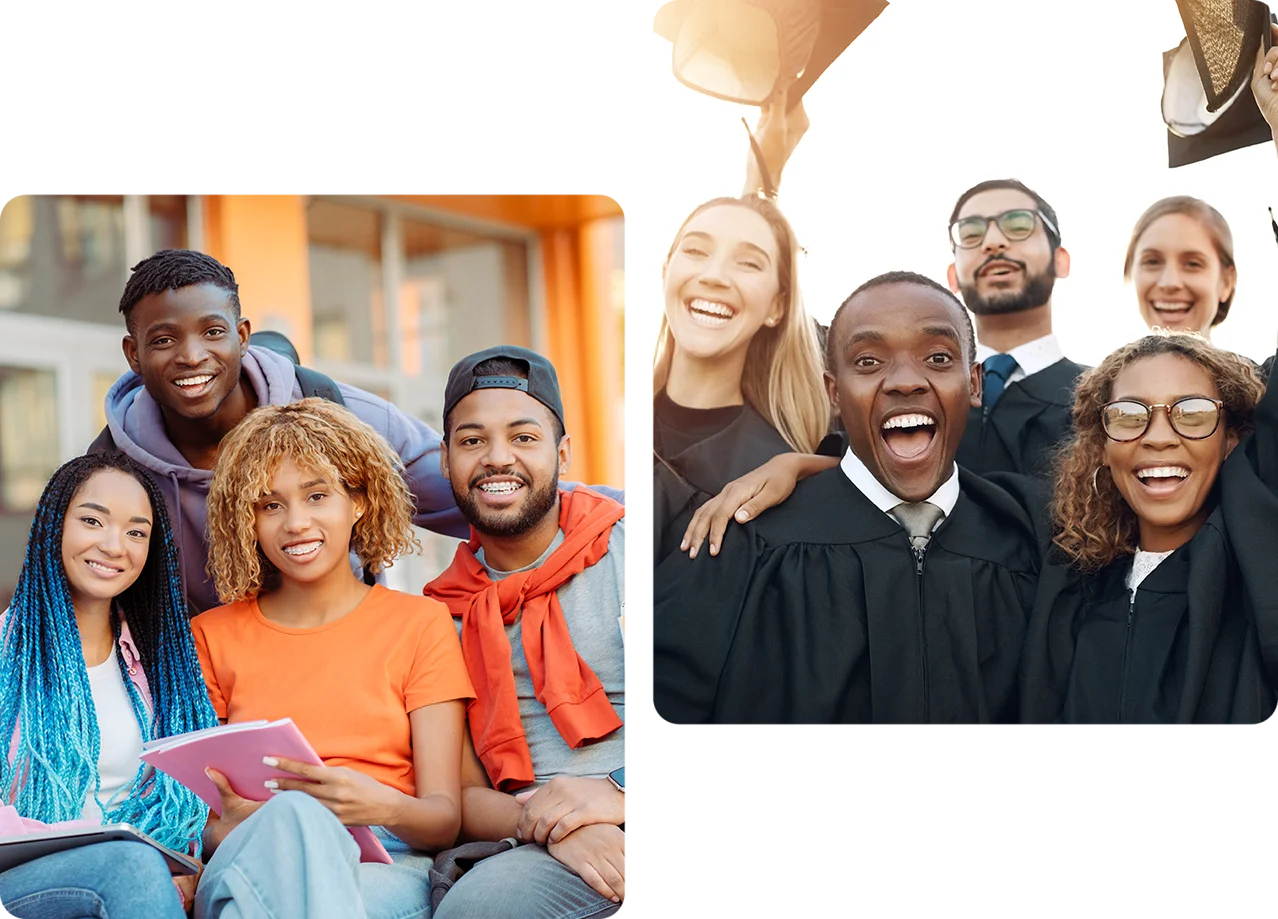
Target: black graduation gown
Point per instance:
(817, 612)
(1031, 418)
(1199, 642)
(683, 482)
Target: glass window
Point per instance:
(63, 256)
(457, 288)
(28, 457)
(167, 218)
(347, 310)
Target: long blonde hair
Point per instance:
(782, 377)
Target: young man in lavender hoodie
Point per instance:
(194, 377)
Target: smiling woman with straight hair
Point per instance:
(737, 372)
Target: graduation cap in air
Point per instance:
(745, 50)
(1207, 102)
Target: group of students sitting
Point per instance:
(487, 712)
(994, 532)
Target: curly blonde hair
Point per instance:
(1093, 525)
(319, 435)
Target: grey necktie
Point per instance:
(919, 520)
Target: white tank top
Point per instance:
(120, 733)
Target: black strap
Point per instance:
(314, 383)
(103, 443)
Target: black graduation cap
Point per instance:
(1207, 102)
(744, 50)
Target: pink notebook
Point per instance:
(236, 751)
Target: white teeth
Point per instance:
(194, 381)
(103, 568)
(908, 421)
(710, 313)
(500, 488)
(303, 548)
(1162, 472)
(1165, 307)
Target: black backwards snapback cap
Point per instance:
(542, 382)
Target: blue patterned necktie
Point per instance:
(997, 369)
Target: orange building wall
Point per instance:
(263, 239)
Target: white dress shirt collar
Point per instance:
(1031, 357)
(859, 475)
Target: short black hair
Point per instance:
(901, 277)
(504, 367)
(174, 269)
(1053, 236)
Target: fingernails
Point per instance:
(692, 553)
(683, 546)
(743, 515)
(714, 549)
(271, 784)
(616, 899)
(208, 773)
(270, 761)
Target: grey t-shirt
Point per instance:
(592, 605)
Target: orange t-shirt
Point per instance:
(348, 685)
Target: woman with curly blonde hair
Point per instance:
(373, 678)
(1159, 605)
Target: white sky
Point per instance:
(935, 97)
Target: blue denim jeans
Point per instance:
(525, 883)
(107, 880)
(293, 858)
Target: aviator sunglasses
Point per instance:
(1015, 225)
(1193, 417)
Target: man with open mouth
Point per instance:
(894, 587)
(1007, 257)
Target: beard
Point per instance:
(515, 521)
(1036, 291)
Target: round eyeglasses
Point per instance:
(1193, 417)
(1015, 225)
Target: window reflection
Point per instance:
(63, 256)
(28, 457)
(347, 310)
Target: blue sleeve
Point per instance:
(417, 444)
(617, 494)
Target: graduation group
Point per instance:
(910, 518)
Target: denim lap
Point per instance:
(107, 880)
(525, 883)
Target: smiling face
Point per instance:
(721, 282)
(106, 537)
(903, 385)
(1180, 280)
(503, 461)
(1166, 478)
(186, 344)
(1002, 275)
(304, 523)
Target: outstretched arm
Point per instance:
(749, 496)
(777, 133)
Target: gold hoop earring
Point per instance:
(1095, 487)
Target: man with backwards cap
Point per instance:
(538, 594)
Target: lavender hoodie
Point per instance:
(138, 430)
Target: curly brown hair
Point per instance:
(322, 436)
(1094, 526)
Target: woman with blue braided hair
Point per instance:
(96, 658)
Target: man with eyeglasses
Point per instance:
(1007, 257)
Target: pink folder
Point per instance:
(236, 751)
